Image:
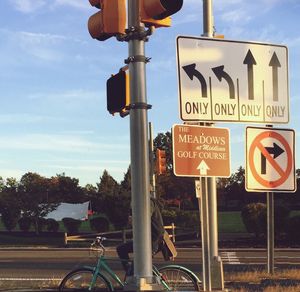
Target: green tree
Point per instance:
(62, 188)
(32, 192)
(102, 198)
(126, 182)
(108, 185)
(113, 200)
(10, 210)
(10, 207)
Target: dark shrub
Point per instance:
(169, 216)
(99, 224)
(71, 225)
(9, 219)
(41, 223)
(24, 223)
(254, 216)
(281, 216)
(188, 219)
(52, 225)
(293, 229)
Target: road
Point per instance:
(52, 264)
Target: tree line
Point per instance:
(34, 195)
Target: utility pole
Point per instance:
(216, 266)
(139, 149)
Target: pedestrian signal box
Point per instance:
(117, 90)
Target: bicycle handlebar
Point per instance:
(97, 244)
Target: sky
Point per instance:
(53, 116)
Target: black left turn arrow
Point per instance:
(275, 64)
(191, 71)
(220, 73)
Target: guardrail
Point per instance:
(123, 235)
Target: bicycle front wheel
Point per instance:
(81, 280)
(179, 278)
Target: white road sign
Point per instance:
(231, 81)
(270, 161)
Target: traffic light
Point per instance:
(109, 21)
(117, 90)
(157, 12)
(161, 163)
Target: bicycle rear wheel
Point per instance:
(179, 279)
(81, 279)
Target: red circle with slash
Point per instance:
(283, 173)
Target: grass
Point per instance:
(231, 222)
(287, 280)
(257, 281)
(257, 276)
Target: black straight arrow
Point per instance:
(276, 150)
(250, 61)
(191, 71)
(220, 73)
(275, 64)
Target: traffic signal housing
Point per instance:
(109, 21)
(117, 91)
(157, 12)
(161, 162)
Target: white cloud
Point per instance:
(73, 3)
(28, 6)
(68, 95)
(31, 6)
(24, 118)
(40, 45)
(236, 16)
(58, 143)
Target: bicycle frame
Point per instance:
(103, 266)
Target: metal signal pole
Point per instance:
(139, 148)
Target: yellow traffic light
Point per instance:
(157, 12)
(109, 21)
(161, 162)
(117, 90)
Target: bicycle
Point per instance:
(101, 276)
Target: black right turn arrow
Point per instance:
(276, 150)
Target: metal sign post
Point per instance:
(216, 267)
(204, 213)
(270, 231)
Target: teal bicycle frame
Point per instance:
(103, 266)
(107, 275)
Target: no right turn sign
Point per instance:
(270, 161)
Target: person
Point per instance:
(157, 233)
